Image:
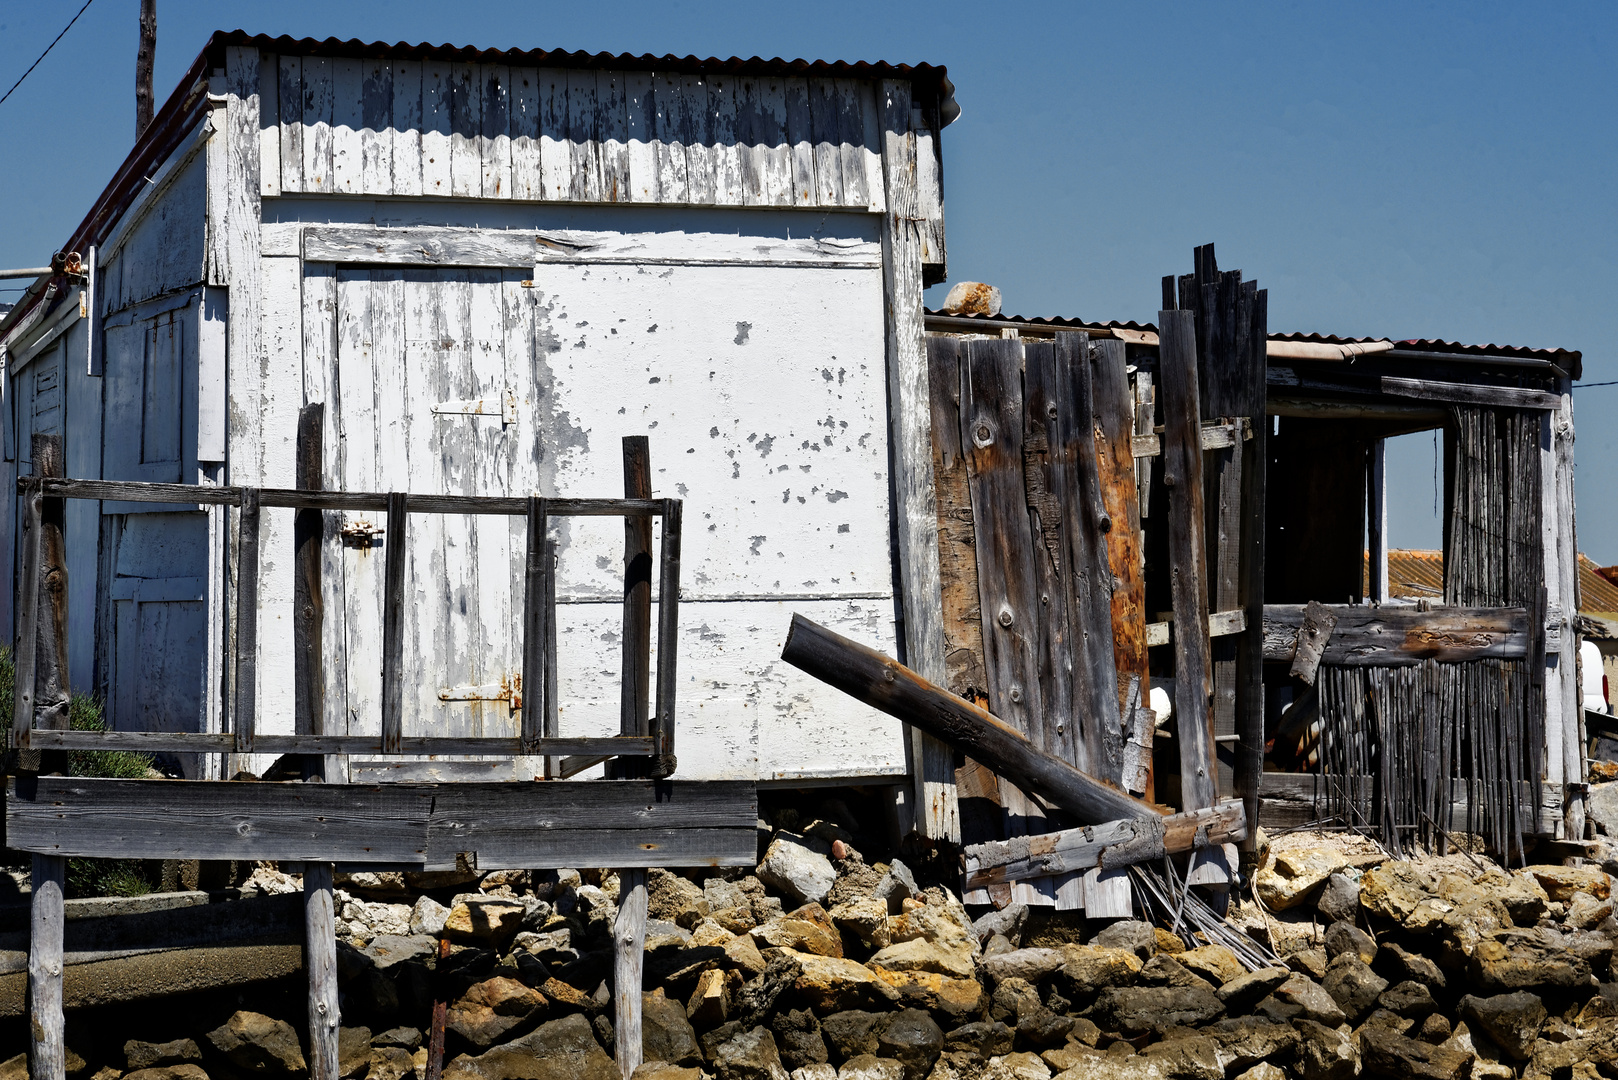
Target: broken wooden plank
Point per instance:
(888, 685)
(1313, 634)
(1106, 846)
(1389, 635)
(1114, 409)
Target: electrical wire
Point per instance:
(1586, 386)
(46, 53)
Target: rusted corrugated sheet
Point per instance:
(1419, 575)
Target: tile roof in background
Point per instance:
(1418, 575)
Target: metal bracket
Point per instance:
(503, 406)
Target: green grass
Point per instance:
(89, 877)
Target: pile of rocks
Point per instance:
(822, 966)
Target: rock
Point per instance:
(564, 1049)
(1314, 1002)
(1030, 964)
(1521, 960)
(749, 1055)
(1339, 898)
(895, 887)
(1345, 937)
(1562, 883)
(1012, 998)
(1392, 890)
(1088, 969)
(951, 1000)
(1168, 942)
(871, 1067)
(492, 1009)
(1188, 1057)
(756, 999)
(567, 996)
(354, 1047)
(1410, 999)
(1512, 1021)
(168, 1072)
(488, 921)
(1585, 912)
(1383, 1053)
(145, 1055)
(866, 919)
(982, 1038)
(679, 968)
(1263, 1071)
(919, 954)
(914, 1040)
(1387, 1020)
(1325, 1053)
(1248, 989)
(662, 1070)
(1291, 876)
(1040, 1027)
(1068, 1057)
(1164, 970)
(852, 1032)
(794, 866)
(258, 1043)
(1249, 1040)
(1353, 985)
(709, 1005)
(405, 1038)
(1139, 1009)
(1018, 1066)
(668, 894)
(1401, 965)
(798, 1039)
(801, 935)
(666, 1034)
(1215, 963)
(1008, 922)
(972, 298)
(744, 954)
(819, 1071)
(391, 1063)
(1137, 937)
(1310, 962)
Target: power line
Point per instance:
(48, 48)
(1587, 385)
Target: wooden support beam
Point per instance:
(246, 668)
(308, 600)
(1398, 635)
(634, 712)
(629, 956)
(668, 644)
(393, 601)
(888, 685)
(536, 619)
(47, 1048)
(1188, 553)
(320, 962)
(1106, 846)
(1377, 519)
(1313, 634)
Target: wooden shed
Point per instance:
(488, 267)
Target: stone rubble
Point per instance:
(821, 966)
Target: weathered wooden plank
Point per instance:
(895, 120)
(1182, 472)
(393, 609)
(555, 156)
(612, 129)
(465, 130)
(537, 616)
(800, 141)
(269, 131)
(668, 648)
(636, 673)
(1115, 466)
(1312, 635)
(149, 742)
(1114, 844)
(244, 717)
(347, 121)
(30, 558)
(825, 130)
(930, 186)
(308, 598)
(672, 106)
(320, 961)
(629, 956)
(527, 177)
(1290, 800)
(1392, 635)
(641, 114)
(47, 1047)
(180, 819)
(376, 130)
(289, 70)
(494, 135)
(887, 685)
(957, 555)
(1425, 389)
(727, 158)
(406, 127)
(771, 147)
(696, 133)
(437, 106)
(583, 138)
(317, 124)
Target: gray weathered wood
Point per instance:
(887, 685)
(320, 961)
(1288, 800)
(47, 1048)
(920, 592)
(245, 714)
(1188, 553)
(1282, 378)
(1377, 525)
(668, 632)
(538, 614)
(629, 957)
(1113, 844)
(393, 615)
(1313, 634)
(149, 742)
(1398, 635)
(636, 680)
(27, 650)
(308, 599)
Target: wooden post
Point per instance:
(1182, 473)
(635, 718)
(308, 527)
(536, 618)
(47, 1050)
(393, 624)
(936, 813)
(1249, 766)
(145, 57)
(246, 677)
(668, 639)
(629, 943)
(1377, 533)
(1573, 738)
(52, 699)
(320, 960)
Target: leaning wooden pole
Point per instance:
(886, 684)
(320, 959)
(629, 957)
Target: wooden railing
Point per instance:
(539, 721)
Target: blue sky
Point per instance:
(1408, 170)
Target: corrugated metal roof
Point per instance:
(1419, 575)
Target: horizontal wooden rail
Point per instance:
(192, 743)
(1390, 634)
(510, 506)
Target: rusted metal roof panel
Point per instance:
(1419, 575)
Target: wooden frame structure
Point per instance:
(639, 820)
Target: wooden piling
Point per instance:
(308, 602)
(629, 952)
(320, 961)
(635, 716)
(47, 1051)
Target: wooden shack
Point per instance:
(1199, 504)
(489, 266)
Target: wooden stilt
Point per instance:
(320, 960)
(47, 1053)
(629, 941)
